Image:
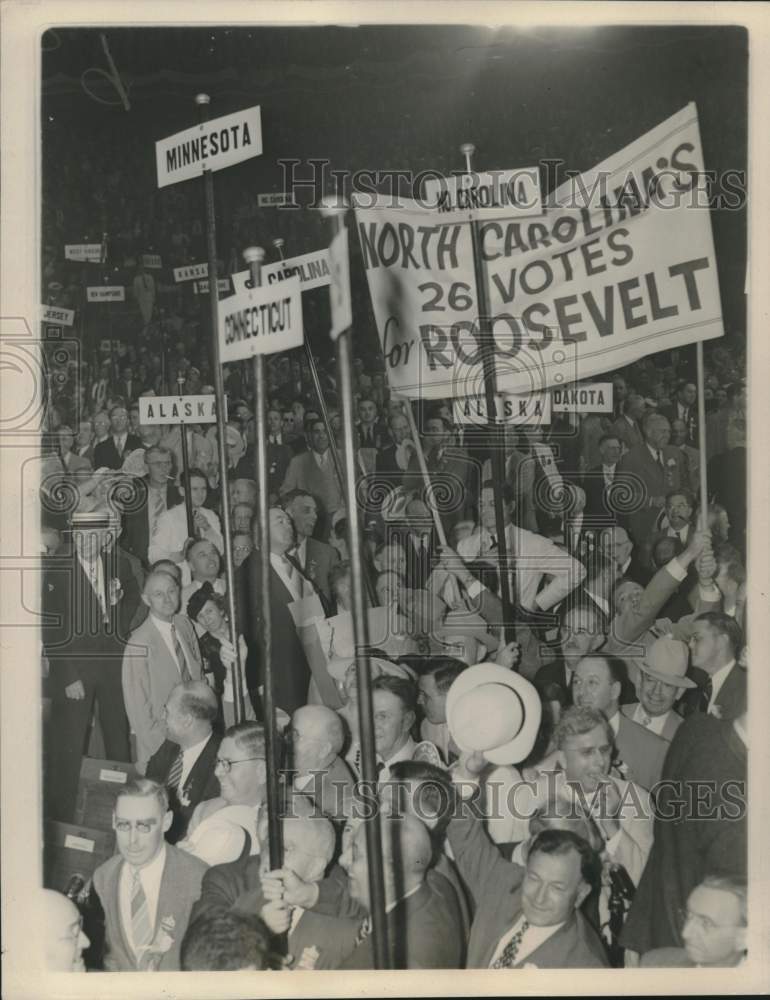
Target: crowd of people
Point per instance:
(541, 758)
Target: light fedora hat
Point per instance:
(493, 709)
(666, 660)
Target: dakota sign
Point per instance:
(594, 398)
(177, 409)
(620, 265)
(260, 321)
(209, 146)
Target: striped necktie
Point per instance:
(181, 659)
(508, 958)
(175, 774)
(140, 915)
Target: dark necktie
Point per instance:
(660, 459)
(508, 958)
(705, 693)
(176, 771)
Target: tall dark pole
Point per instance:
(180, 380)
(202, 100)
(496, 434)
(254, 257)
(361, 638)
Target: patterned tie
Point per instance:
(140, 915)
(705, 693)
(508, 958)
(159, 506)
(175, 774)
(184, 670)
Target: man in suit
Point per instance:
(394, 703)
(597, 482)
(158, 495)
(160, 653)
(110, 453)
(287, 584)
(90, 599)
(677, 520)
(520, 918)
(128, 388)
(371, 432)
(714, 930)
(317, 740)
(662, 682)
(185, 761)
(314, 558)
(424, 930)
(597, 683)
(453, 473)
(63, 937)
(147, 890)
(70, 459)
(396, 459)
(627, 427)
(652, 471)
(693, 837)
(684, 408)
(279, 452)
(716, 642)
(314, 472)
(84, 441)
(420, 543)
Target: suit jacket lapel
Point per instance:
(114, 901)
(553, 948)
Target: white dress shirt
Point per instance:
(655, 723)
(609, 474)
(165, 630)
(189, 757)
(290, 576)
(120, 441)
(150, 876)
(531, 941)
(717, 680)
(406, 752)
(300, 553)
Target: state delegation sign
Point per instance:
(178, 409)
(594, 398)
(211, 145)
(90, 252)
(312, 269)
(106, 293)
(260, 321)
(53, 314)
(531, 410)
(620, 265)
(492, 195)
(191, 271)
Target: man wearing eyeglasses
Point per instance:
(147, 890)
(713, 927)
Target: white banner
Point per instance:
(312, 269)
(339, 291)
(53, 314)
(178, 409)
(260, 321)
(497, 194)
(594, 398)
(202, 287)
(106, 293)
(91, 252)
(624, 270)
(191, 271)
(533, 409)
(152, 261)
(211, 145)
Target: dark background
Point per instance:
(395, 97)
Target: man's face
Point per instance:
(319, 439)
(636, 407)
(388, 589)
(174, 717)
(241, 522)
(678, 511)
(655, 695)
(243, 782)
(367, 411)
(713, 932)
(242, 547)
(628, 595)
(309, 746)
(204, 561)
(119, 420)
(158, 467)
(579, 634)
(85, 433)
(431, 699)
(128, 373)
(687, 394)
(391, 723)
(620, 389)
(299, 413)
(658, 432)
(463, 647)
(399, 429)
(281, 530)
(287, 422)
(274, 421)
(619, 544)
(198, 490)
(678, 432)
(66, 440)
(705, 648)
(610, 451)
(161, 595)
(392, 558)
(64, 939)
(133, 420)
(241, 491)
(487, 511)
(304, 513)
(552, 888)
(435, 433)
(139, 826)
(593, 687)
(587, 758)
(353, 860)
